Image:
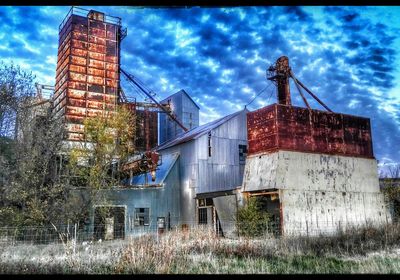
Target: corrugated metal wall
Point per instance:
(185, 110)
(162, 202)
(298, 129)
(201, 173)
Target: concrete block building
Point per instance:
(319, 167)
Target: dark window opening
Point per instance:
(202, 216)
(205, 202)
(209, 144)
(142, 216)
(242, 154)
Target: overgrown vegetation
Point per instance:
(366, 250)
(29, 193)
(252, 220)
(36, 186)
(391, 190)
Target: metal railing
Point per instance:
(84, 12)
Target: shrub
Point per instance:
(252, 220)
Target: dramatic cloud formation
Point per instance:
(347, 56)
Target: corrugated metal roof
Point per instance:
(168, 161)
(198, 131)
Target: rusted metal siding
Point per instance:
(141, 136)
(144, 133)
(87, 75)
(292, 128)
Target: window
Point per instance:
(142, 216)
(202, 216)
(209, 144)
(242, 154)
(203, 202)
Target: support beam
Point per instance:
(299, 89)
(313, 95)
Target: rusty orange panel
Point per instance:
(83, 86)
(79, 36)
(298, 129)
(95, 96)
(96, 63)
(77, 68)
(95, 104)
(74, 119)
(78, 111)
(95, 72)
(78, 60)
(77, 85)
(79, 44)
(95, 80)
(112, 74)
(97, 56)
(97, 40)
(97, 32)
(96, 48)
(112, 59)
(77, 77)
(97, 24)
(79, 52)
(75, 136)
(76, 102)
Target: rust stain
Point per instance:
(146, 135)
(87, 75)
(283, 127)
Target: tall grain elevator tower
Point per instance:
(88, 68)
(315, 170)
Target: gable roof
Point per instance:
(183, 91)
(196, 132)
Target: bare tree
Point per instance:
(390, 184)
(16, 86)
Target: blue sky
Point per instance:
(348, 56)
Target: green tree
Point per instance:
(96, 164)
(252, 219)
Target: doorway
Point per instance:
(270, 203)
(207, 214)
(109, 222)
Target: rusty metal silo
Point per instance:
(88, 65)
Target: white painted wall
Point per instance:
(319, 193)
(307, 171)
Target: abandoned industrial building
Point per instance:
(316, 169)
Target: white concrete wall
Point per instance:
(318, 212)
(319, 193)
(307, 171)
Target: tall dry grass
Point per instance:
(367, 250)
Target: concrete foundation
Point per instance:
(319, 193)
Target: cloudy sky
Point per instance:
(348, 56)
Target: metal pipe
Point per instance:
(299, 89)
(313, 95)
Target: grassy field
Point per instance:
(193, 252)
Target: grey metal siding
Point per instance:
(185, 110)
(163, 202)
